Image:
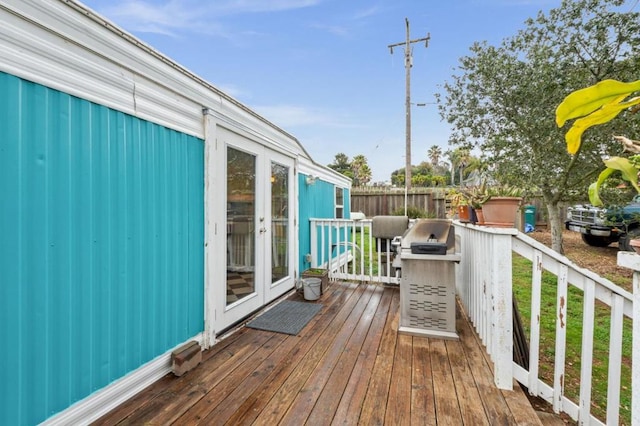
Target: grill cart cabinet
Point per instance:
(428, 287)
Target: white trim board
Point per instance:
(111, 396)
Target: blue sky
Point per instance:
(321, 69)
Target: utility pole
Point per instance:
(408, 63)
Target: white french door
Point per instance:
(259, 241)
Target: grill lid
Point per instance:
(389, 226)
(430, 232)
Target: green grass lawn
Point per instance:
(522, 293)
(361, 239)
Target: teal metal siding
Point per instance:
(315, 201)
(346, 196)
(101, 252)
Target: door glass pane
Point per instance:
(279, 222)
(241, 211)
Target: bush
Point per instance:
(413, 212)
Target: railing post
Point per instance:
(632, 261)
(486, 272)
(314, 244)
(635, 374)
(502, 315)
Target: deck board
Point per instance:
(326, 404)
(350, 407)
(444, 389)
(471, 407)
(423, 409)
(340, 336)
(348, 366)
(375, 402)
(294, 389)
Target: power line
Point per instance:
(408, 63)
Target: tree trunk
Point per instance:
(555, 223)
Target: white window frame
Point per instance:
(338, 207)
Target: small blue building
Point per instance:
(142, 208)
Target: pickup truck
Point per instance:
(600, 227)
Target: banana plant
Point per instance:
(595, 105)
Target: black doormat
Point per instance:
(287, 317)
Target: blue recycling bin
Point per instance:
(529, 218)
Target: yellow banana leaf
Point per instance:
(585, 101)
(603, 115)
(594, 189)
(628, 170)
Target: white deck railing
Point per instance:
(351, 251)
(484, 286)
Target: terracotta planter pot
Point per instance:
(464, 213)
(500, 212)
(480, 216)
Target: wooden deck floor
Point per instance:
(348, 366)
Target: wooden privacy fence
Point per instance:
(386, 201)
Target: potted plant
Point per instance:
(459, 205)
(321, 273)
(476, 197)
(501, 209)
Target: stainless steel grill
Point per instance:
(427, 290)
(429, 236)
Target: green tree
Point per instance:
(397, 177)
(439, 169)
(434, 153)
(503, 98)
(361, 171)
(439, 180)
(341, 163)
(357, 170)
(421, 175)
(459, 158)
(477, 165)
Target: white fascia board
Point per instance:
(252, 128)
(308, 167)
(65, 45)
(43, 44)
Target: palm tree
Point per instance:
(361, 170)
(434, 153)
(459, 159)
